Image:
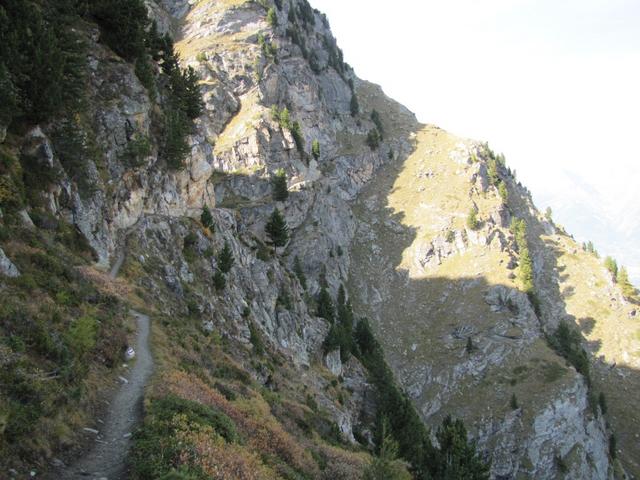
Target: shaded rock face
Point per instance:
(457, 331)
(7, 268)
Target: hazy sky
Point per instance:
(554, 84)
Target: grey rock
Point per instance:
(7, 268)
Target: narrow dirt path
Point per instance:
(108, 457)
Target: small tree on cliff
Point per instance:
(277, 229)
(279, 184)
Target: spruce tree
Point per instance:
(279, 185)
(472, 219)
(219, 282)
(458, 457)
(385, 466)
(277, 229)
(611, 265)
(622, 279)
(354, 106)
(315, 149)
(206, 218)
(325, 308)
(272, 17)
(225, 258)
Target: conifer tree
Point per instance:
(354, 106)
(206, 218)
(325, 308)
(279, 185)
(472, 219)
(611, 265)
(385, 466)
(315, 149)
(225, 258)
(458, 457)
(272, 17)
(277, 229)
(623, 280)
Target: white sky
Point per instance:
(554, 84)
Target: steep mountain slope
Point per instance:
(244, 384)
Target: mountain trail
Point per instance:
(107, 459)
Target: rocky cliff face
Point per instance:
(390, 220)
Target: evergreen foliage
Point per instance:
(386, 466)
(622, 278)
(325, 307)
(567, 342)
(315, 149)
(341, 332)
(525, 273)
(296, 133)
(225, 258)
(375, 118)
(354, 105)
(472, 219)
(279, 185)
(206, 218)
(513, 403)
(272, 17)
(123, 24)
(373, 138)
(602, 401)
(456, 455)
(277, 229)
(611, 265)
(504, 193)
(42, 61)
(613, 449)
(470, 347)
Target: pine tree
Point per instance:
(470, 347)
(225, 258)
(296, 133)
(458, 458)
(514, 402)
(279, 185)
(206, 218)
(504, 193)
(123, 24)
(325, 308)
(622, 279)
(272, 17)
(373, 138)
(385, 466)
(277, 229)
(472, 219)
(602, 401)
(315, 149)
(354, 106)
(611, 265)
(375, 118)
